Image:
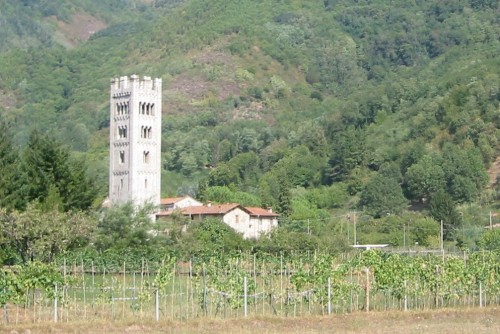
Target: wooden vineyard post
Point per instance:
(367, 290)
(480, 294)
(329, 296)
(245, 296)
(84, 286)
(55, 303)
(157, 305)
(406, 297)
(205, 309)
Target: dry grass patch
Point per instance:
(442, 321)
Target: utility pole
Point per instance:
(354, 220)
(404, 236)
(442, 236)
(348, 231)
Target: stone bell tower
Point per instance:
(135, 140)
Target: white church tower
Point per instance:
(135, 140)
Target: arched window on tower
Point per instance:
(145, 183)
(122, 157)
(145, 157)
(152, 109)
(122, 132)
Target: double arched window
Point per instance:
(122, 108)
(146, 132)
(146, 108)
(122, 132)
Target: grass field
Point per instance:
(478, 320)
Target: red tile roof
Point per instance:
(219, 209)
(254, 211)
(171, 200)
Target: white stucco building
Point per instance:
(135, 140)
(251, 222)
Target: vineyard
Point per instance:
(247, 285)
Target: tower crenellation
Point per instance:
(135, 140)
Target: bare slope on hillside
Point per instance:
(78, 30)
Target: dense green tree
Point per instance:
(284, 197)
(349, 152)
(221, 194)
(210, 237)
(443, 208)
(381, 196)
(246, 166)
(301, 167)
(391, 170)
(425, 178)
(125, 226)
(423, 230)
(465, 172)
(40, 235)
(223, 175)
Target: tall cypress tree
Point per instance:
(8, 168)
(48, 167)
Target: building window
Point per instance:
(145, 157)
(122, 132)
(121, 108)
(146, 132)
(121, 184)
(122, 157)
(146, 108)
(237, 219)
(145, 183)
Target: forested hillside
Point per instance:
(316, 108)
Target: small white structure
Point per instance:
(367, 247)
(135, 140)
(250, 222)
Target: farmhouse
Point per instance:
(251, 222)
